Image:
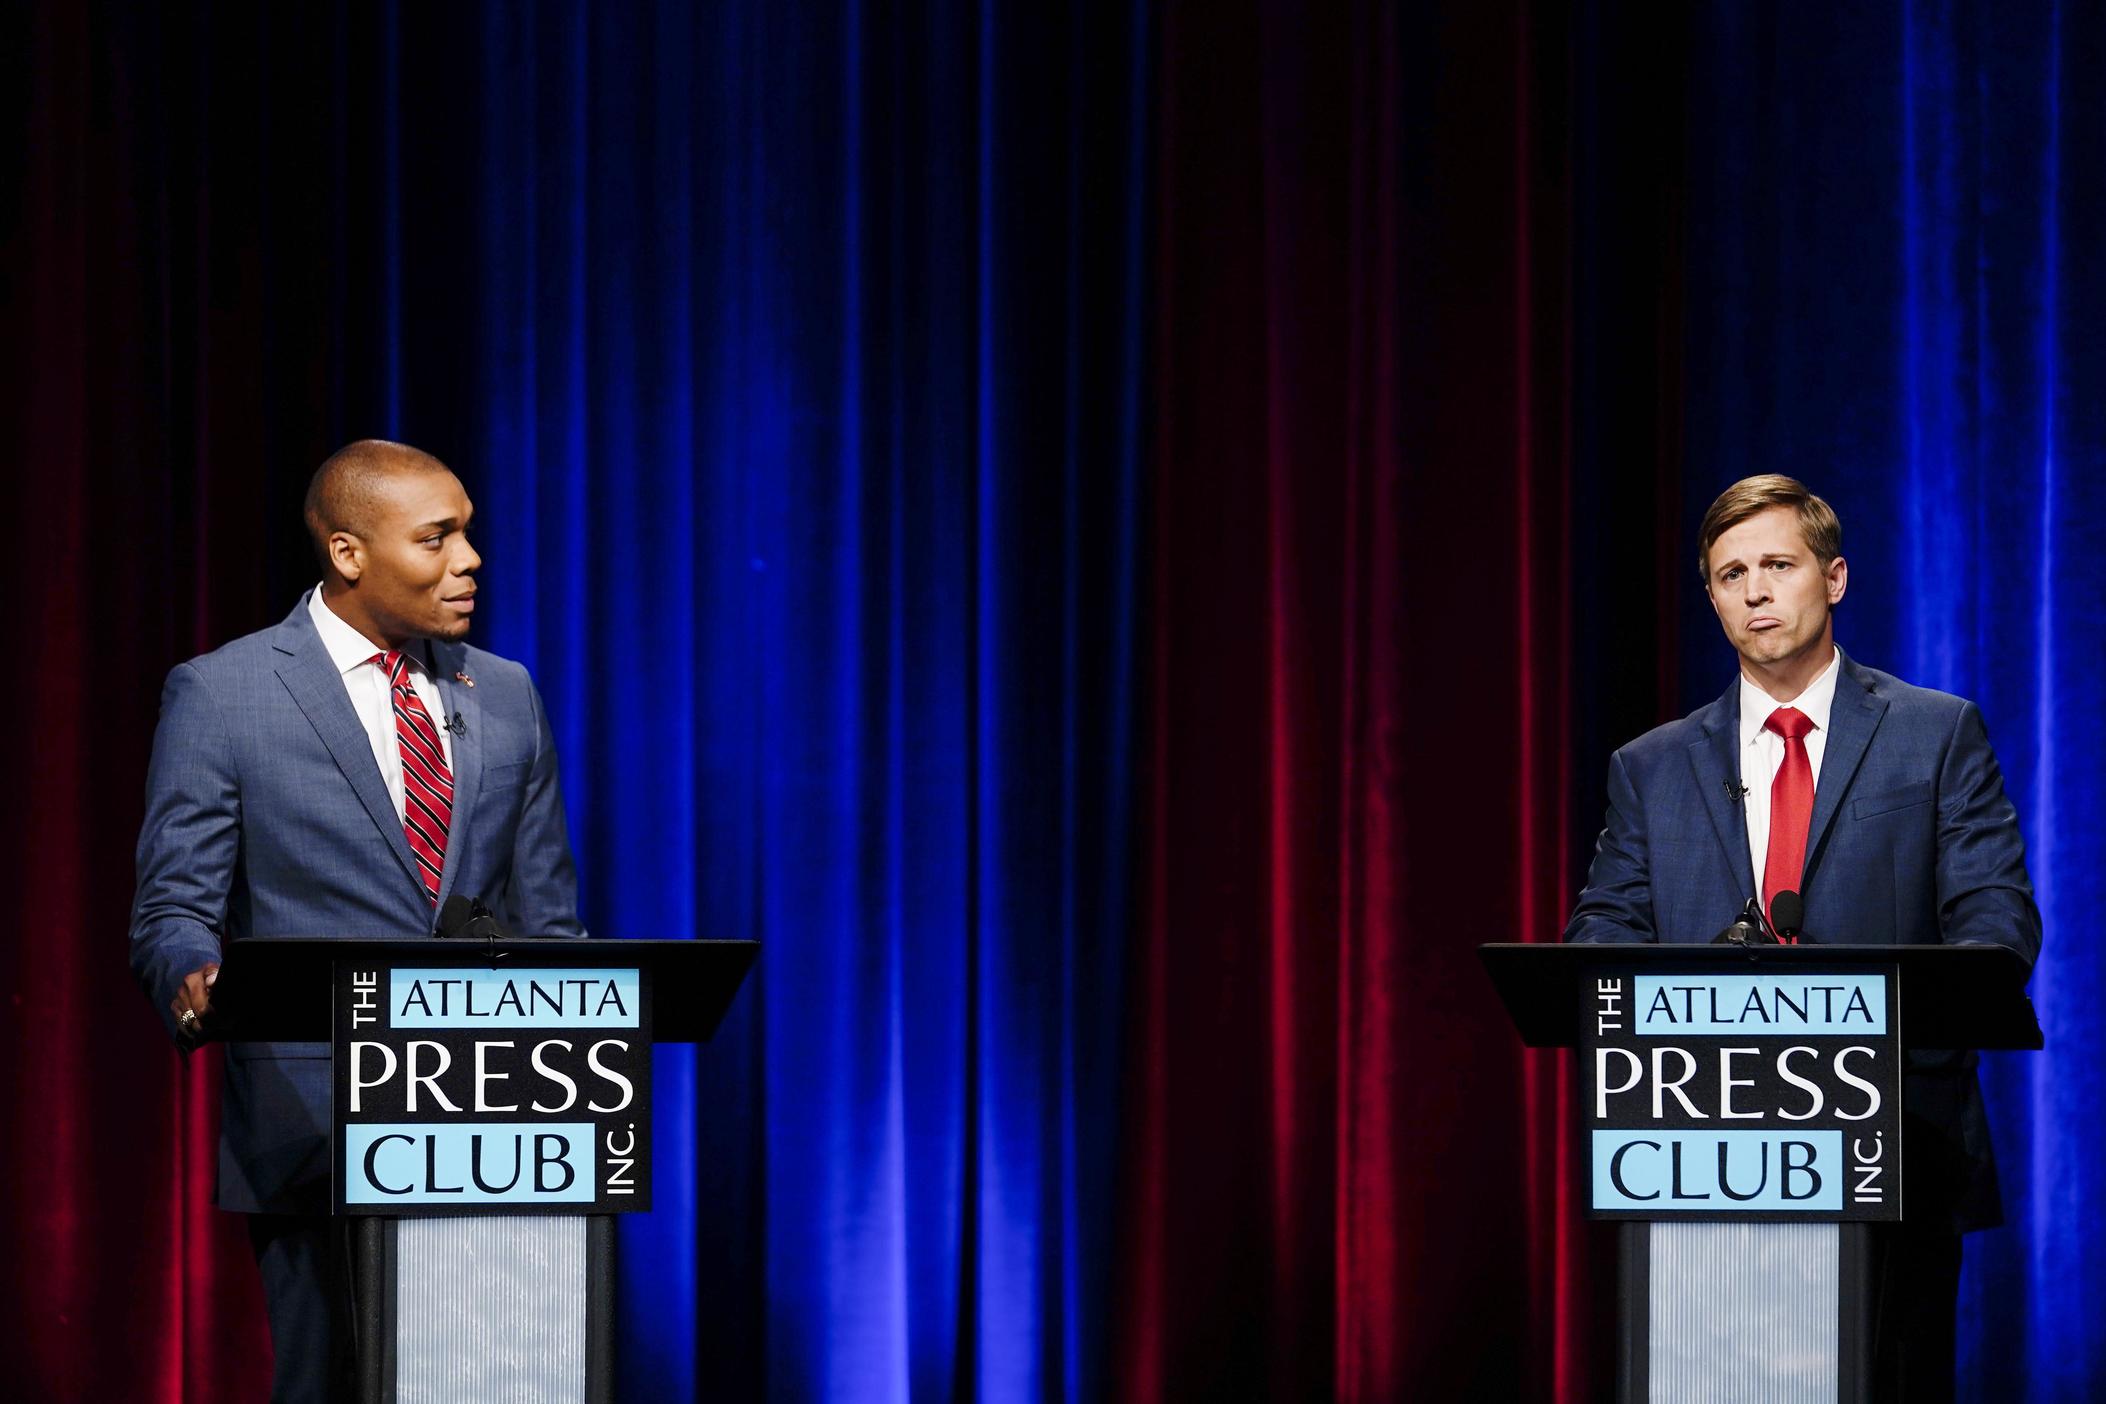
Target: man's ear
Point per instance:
(1838, 574)
(348, 554)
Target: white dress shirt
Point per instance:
(1762, 750)
(367, 683)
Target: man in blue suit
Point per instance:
(1880, 803)
(341, 774)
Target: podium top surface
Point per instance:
(278, 988)
(1951, 996)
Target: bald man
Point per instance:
(340, 774)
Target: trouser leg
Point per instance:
(305, 1261)
(1916, 1272)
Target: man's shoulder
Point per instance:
(1667, 739)
(239, 658)
(1906, 697)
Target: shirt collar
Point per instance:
(1816, 702)
(347, 647)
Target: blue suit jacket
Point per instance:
(266, 816)
(1912, 841)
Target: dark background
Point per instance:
(1118, 542)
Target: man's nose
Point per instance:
(1757, 587)
(470, 561)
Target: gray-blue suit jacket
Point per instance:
(1912, 841)
(266, 816)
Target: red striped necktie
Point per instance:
(427, 782)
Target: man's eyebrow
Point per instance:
(443, 524)
(1726, 565)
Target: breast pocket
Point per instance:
(505, 777)
(1886, 802)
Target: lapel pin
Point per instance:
(464, 678)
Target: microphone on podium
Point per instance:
(1787, 915)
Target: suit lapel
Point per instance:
(449, 666)
(1852, 719)
(1716, 761)
(318, 689)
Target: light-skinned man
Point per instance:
(1881, 804)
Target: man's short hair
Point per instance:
(344, 494)
(1817, 520)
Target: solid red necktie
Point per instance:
(1791, 806)
(427, 782)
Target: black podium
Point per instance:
(1741, 1114)
(491, 1113)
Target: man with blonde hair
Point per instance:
(1810, 772)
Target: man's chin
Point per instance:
(1772, 647)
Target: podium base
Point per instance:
(506, 1310)
(1713, 1313)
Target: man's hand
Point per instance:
(193, 1001)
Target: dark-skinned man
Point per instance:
(339, 774)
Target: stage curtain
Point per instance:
(804, 371)
(1383, 598)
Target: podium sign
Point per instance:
(463, 1089)
(1763, 1095)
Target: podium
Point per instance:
(1741, 1108)
(491, 1114)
